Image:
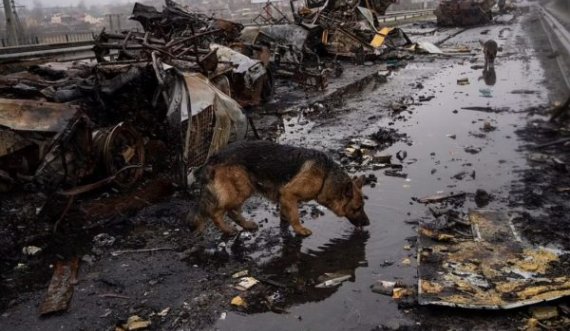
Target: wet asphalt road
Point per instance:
(434, 159)
(437, 132)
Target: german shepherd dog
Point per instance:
(284, 174)
(490, 49)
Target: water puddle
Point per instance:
(452, 149)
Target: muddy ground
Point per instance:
(418, 108)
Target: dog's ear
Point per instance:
(359, 181)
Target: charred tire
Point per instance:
(120, 150)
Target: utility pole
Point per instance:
(110, 22)
(13, 26)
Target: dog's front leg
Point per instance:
(218, 218)
(290, 212)
(236, 216)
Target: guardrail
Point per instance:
(554, 28)
(404, 15)
(50, 38)
(68, 53)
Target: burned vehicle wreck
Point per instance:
(81, 127)
(464, 12)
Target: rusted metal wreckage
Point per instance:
(186, 81)
(351, 29)
(464, 12)
(62, 127)
(325, 30)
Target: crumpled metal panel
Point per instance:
(11, 142)
(30, 115)
(289, 34)
(207, 117)
(487, 267)
(60, 288)
(251, 69)
(203, 94)
(369, 16)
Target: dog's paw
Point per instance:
(303, 231)
(249, 225)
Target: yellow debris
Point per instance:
(239, 302)
(508, 287)
(380, 36)
(535, 260)
(437, 236)
(400, 292)
(136, 323)
(431, 287)
(544, 313)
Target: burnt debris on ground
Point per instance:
(85, 144)
(97, 163)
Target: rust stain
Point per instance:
(490, 270)
(30, 115)
(60, 288)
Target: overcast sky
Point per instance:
(54, 3)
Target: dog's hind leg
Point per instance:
(236, 215)
(207, 203)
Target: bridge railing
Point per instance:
(51, 38)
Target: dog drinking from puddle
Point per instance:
(284, 174)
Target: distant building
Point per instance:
(61, 19)
(92, 20)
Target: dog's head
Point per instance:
(354, 207)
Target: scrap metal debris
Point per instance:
(78, 127)
(492, 269)
(60, 288)
(185, 81)
(332, 279)
(464, 12)
(31, 250)
(245, 283)
(383, 287)
(439, 197)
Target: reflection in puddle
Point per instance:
(489, 77)
(291, 277)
